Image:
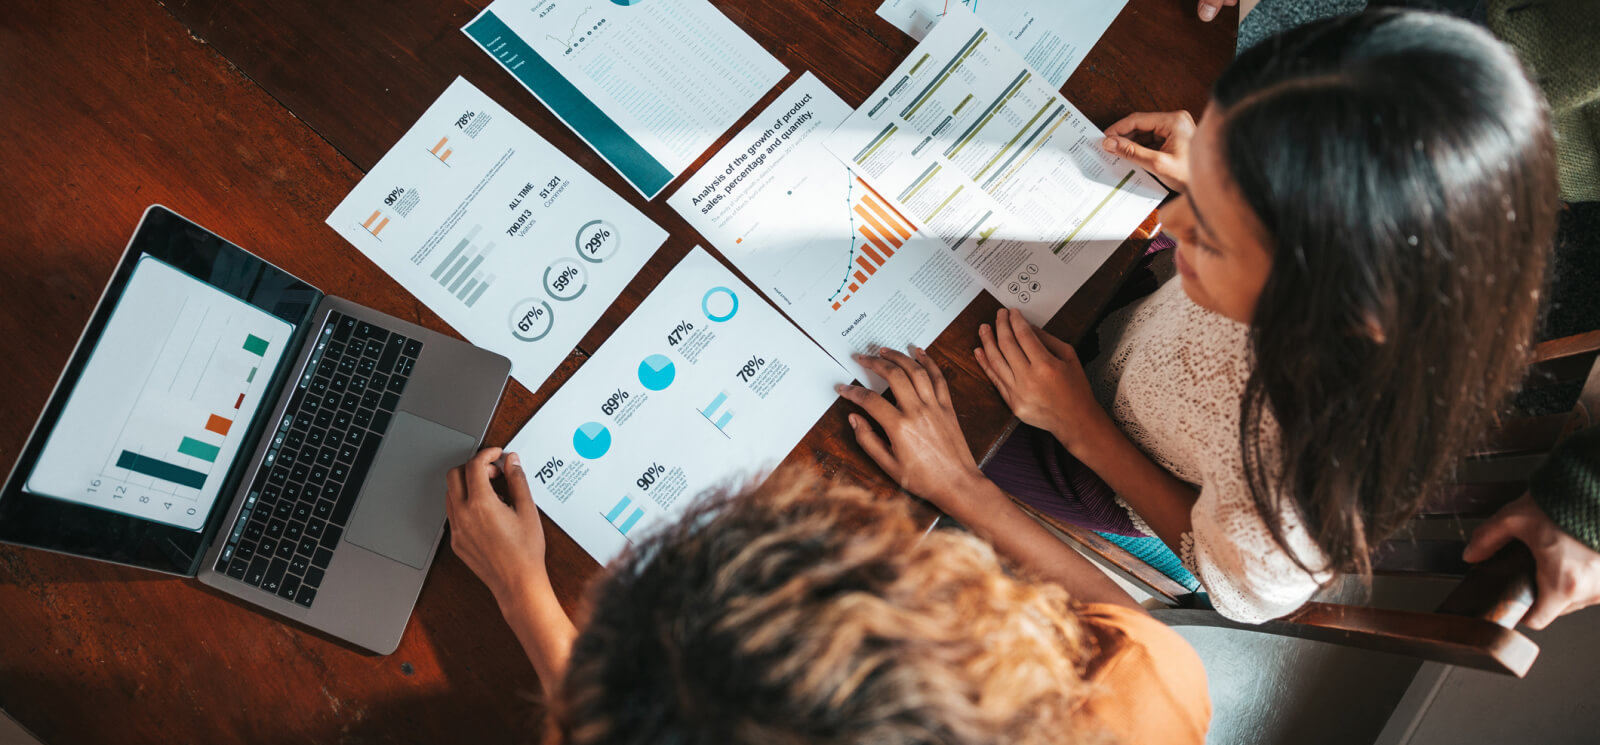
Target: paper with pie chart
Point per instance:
(508, 240)
(843, 262)
(705, 385)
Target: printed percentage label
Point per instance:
(597, 241)
(750, 367)
(565, 279)
(613, 402)
(548, 470)
(677, 334)
(650, 475)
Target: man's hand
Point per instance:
(499, 536)
(1568, 571)
(926, 453)
(1168, 132)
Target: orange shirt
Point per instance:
(1149, 684)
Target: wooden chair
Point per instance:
(1475, 626)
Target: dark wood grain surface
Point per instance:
(254, 118)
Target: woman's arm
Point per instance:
(1040, 378)
(926, 454)
(501, 539)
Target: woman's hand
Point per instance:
(926, 453)
(1568, 572)
(499, 536)
(1169, 133)
(1208, 9)
(1040, 378)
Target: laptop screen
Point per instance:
(164, 402)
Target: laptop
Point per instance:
(223, 419)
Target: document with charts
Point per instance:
(705, 385)
(1052, 35)
(841, 260)
(650, 85)
(507, 239)
(979, 150)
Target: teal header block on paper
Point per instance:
(630, 159)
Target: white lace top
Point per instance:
(1171, 374)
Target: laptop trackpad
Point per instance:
(402, 507)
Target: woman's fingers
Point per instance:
(921, 382)
(1158, 123)
(994, 377)
(1056, 347)
(1006, 339)
(875, 447)
(905, 391)
(477, 471)
(517, 482)
(941, 388)
(994, 362)
(875, 405)
(455, 485)
(1026, 337)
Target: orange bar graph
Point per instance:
(872, 240)
(442, 156)
(877, 258)
(862, 278)
(374, 219)
(873, 221)
(890, 215)
(862, 262)
(218, 425)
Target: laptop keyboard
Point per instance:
(297, 507)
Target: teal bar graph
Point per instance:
(197, 449)
(617, 511)
(161, 469)
(255, 345)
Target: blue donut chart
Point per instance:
(705, 304)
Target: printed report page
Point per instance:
(977, 148)
(834, 255)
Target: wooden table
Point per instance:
(255, 117)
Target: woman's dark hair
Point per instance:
(1402, 167)
(799, 612)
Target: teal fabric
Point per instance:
(1152, 551)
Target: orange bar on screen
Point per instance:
(237, 403)
(867, 265)
(218, 425)
(371, 220)
(442, 141)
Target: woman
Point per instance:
(797, 612)
(1366, 207)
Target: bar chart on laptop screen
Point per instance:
(164, 401)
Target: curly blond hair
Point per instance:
(802, 612)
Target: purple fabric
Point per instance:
(1033, 467)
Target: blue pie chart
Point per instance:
(656, 372)
(592, 440)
